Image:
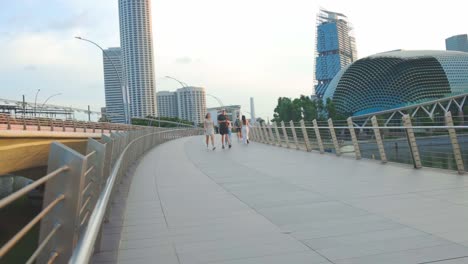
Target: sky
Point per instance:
(234, 49)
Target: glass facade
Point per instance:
(457, 43)
(335, 48)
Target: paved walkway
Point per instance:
(263, 204)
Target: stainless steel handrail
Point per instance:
(85, 247)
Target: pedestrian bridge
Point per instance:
(264, 204)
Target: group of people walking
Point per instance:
(225, 130)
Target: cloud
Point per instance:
(76, 21)
(30, 67)
(183, 60)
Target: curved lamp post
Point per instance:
(42, 106)
(184, 85)
(35, 101)
(124, 93)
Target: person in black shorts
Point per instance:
(223, 128)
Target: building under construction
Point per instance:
(335, 48)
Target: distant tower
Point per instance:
(457, 43)
(138, 61)
(114, 92)
(335, 48)
(252, 109)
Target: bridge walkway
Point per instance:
(264, 204)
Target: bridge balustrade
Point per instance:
(79, 190)
(423, 145)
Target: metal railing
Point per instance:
(78, 191)
(11, 122)
(442, 146)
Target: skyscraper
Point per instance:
(191, 103)
(138, 60)
(167, 104)
(457, 43)
(335, 48)
(114, 92)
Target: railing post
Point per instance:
(85, 125)
(51, 123)
(63, 125)
(455, 145)
(260, 132)
(293, 129)
(252, 133)
(285, 134)
(38, 124)
(352, 132)
(306, 136)
(265, 133)
(412, 142)
(8, 122)
(24, 123)
(378, 139)
(272, 137)
(333, 136)
(317, 135)
(278, 137)
(74, 126)
(68, 183)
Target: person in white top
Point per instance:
(245, 130)
(208, 125)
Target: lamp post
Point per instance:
(124, 91)
(184, 85)
(35, 101)
(43, 104)
(217, 99)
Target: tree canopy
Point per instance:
(304, 108)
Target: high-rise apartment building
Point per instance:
(187, 103)
(115, 94)
(457, 43)
(167, 104)
(191, 103)
(138, 60)
(335, 48)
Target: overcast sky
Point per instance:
(235, 49)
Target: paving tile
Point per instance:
(264, 204)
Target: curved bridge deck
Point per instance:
(263, 204)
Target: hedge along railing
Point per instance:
(429, 146)
(78, 189)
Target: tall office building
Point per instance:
(457, 43)
(114, 92)
(335, 48)
(167, 104)
(191, 103)
(138, 60)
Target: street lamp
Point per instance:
(124, 91)
(184, 85)
(35, 101)
(57, 94)
(217, 99)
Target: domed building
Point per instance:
(398, 78)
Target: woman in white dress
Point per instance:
(245, 130)
(208, 125)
